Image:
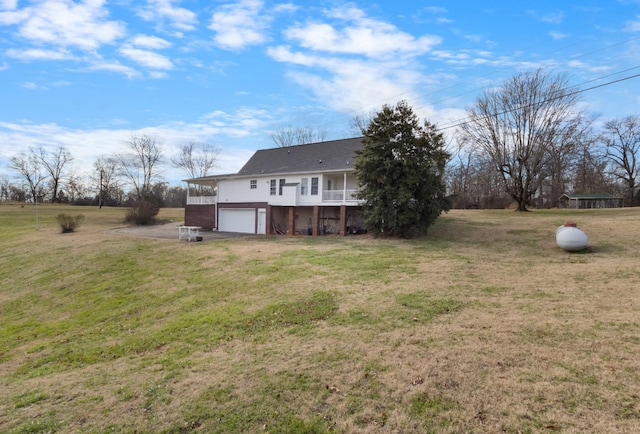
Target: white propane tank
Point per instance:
(570, 238)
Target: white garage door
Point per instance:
(237, 220)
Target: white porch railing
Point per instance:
(339, 195)
(201, 200)
(332, 196)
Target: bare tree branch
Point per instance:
(290, 136)
(622, 140)
(359, 123)
(28, 165)
(517, 124)
(54, 163)
(196, 163)
(140, 166)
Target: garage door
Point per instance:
(237, 220)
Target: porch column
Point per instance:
(344, 188)
(315, 219)
(343, 220)
(269, 228)
(292, 221)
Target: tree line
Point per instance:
(527, 143)
(126, 179)
(523, 143)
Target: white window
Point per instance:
(314, 186)
(281, 186)
(272, 187)
(304, 186)
(253, 184)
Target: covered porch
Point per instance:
(315, 220)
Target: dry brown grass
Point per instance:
(485, 326)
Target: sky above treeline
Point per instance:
(87, 75)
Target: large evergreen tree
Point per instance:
(400, 173)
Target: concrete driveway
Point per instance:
(169, 231)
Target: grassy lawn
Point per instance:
(483, 326)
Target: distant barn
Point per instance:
(590, 200)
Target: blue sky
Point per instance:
(89, 74)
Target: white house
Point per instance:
(305, 189)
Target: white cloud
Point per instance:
(159, 10)
(435, 10)
(451, 55)
(112, 66)
(158, 74)
(13, 17)
(350, 84)
(239, 124)
(239, 25)
(577, 64)
(39, 54)
(361, 35)
(354, 63)
(558, 35)
(146, 58)
(88, 145)
(550, 17)
(284, 54)
(66, 23)
(8, 5)
(150, 42)
(286, 7)
(633, 26)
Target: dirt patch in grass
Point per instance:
(483, 326)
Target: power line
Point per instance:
(550, 52)
(608, 47)
(460, 122)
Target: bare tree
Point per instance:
(562, 156)
(516, 125)
(359, 123)
(105, 178)
(29, 167)
(54, 163)
(459, 173)
(5, 187)
(472, 181)
(290, 136)
(76, 188)
(622, 139)
(196, 163)
(590, 174)
(140, 165)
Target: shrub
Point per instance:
(69, 223)
(143, 212)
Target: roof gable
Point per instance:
(313, 157)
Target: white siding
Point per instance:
(240, 191)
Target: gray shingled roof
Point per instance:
(313, 157)
(334, 155)
(591, 196)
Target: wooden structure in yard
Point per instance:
(590, 200)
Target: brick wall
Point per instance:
(200, 215)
